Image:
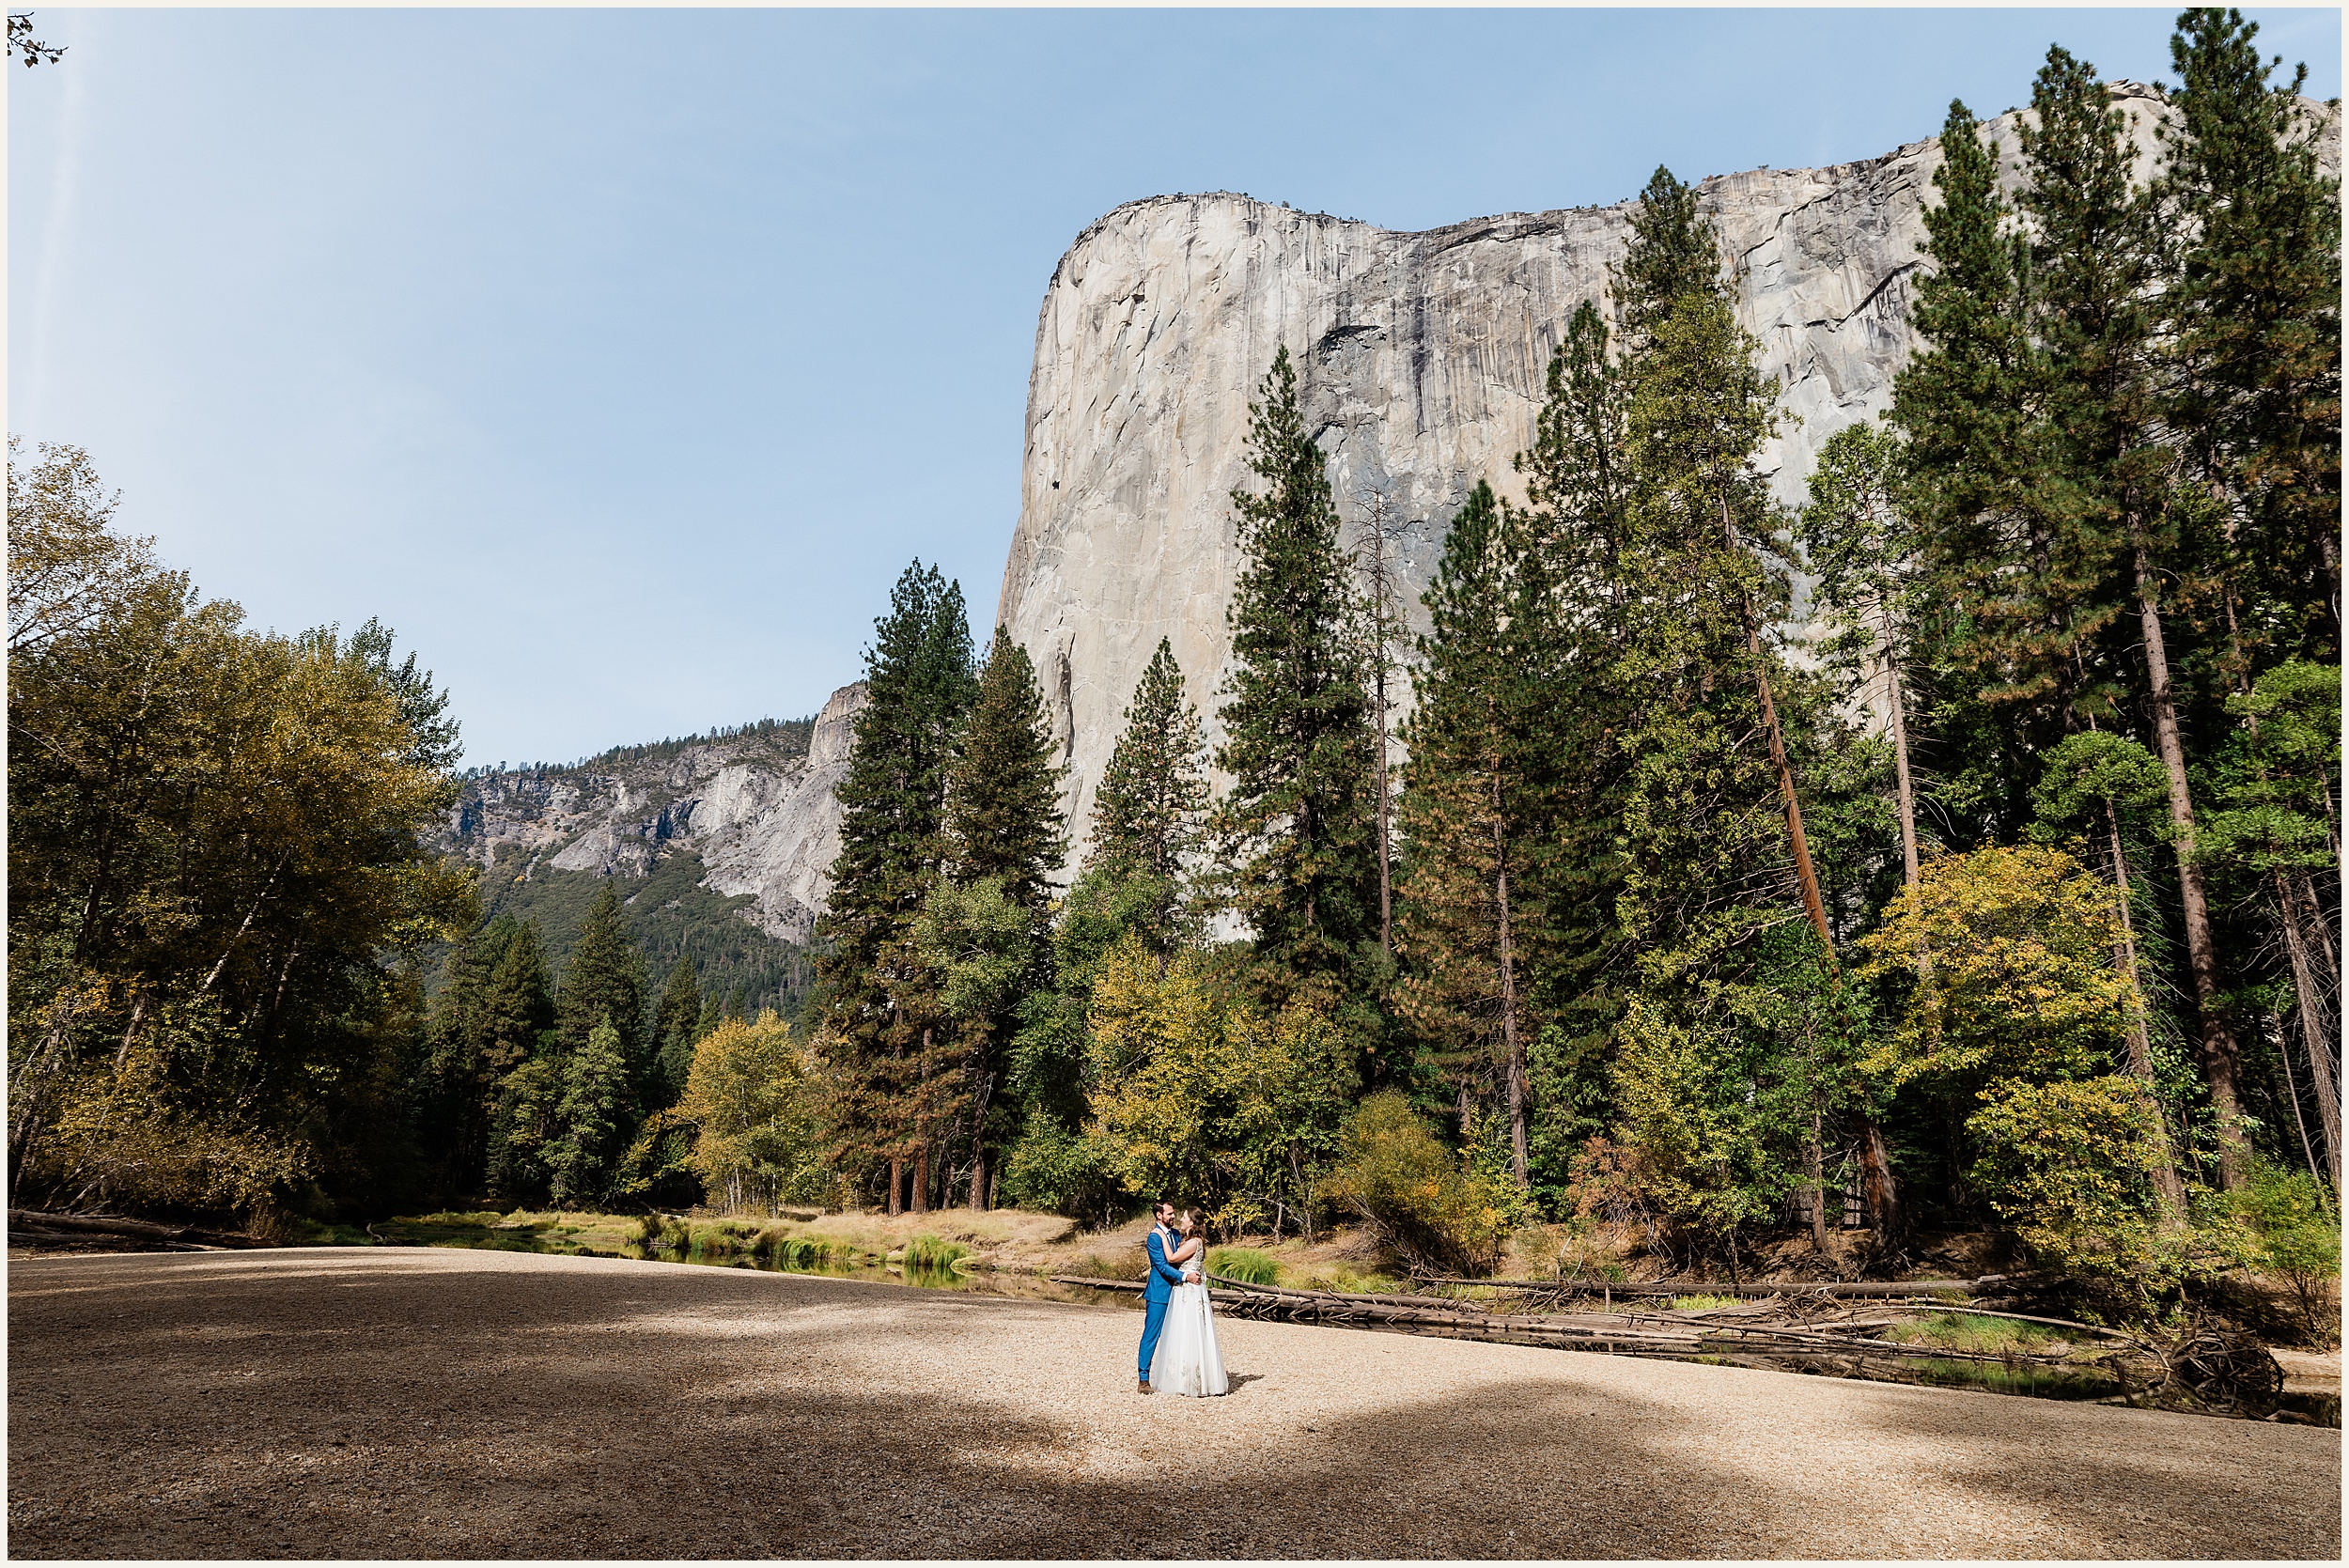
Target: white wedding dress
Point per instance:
(1187, 1359)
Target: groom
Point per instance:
(1164, 1277)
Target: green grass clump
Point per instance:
(930, 1253)
(1701, 1303)
(485, 1218)
(1991, 1336)
(1245, 1264)
(662, 1233)
(719, 1238)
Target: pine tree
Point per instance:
(2095, 262)
(605, 979)
(2254, 316)
(1479, 810)
(982, 933)
(1153, 796)
(515, 1008)
(1675, 253)
(1856, 534)
(1713, 746)
(1295, 832)
(594, 1118)
(1997, 554)
(1577, 480)
(675, 1026)
(1003, 810)
(880, 1013)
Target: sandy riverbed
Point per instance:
(398, 1403)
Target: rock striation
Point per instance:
(761, 811)
(1421, 360)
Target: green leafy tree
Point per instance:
(751, 1099)
(1199, 1093)
(1296, 829)
(218, 893)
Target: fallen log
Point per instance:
(139, 1230)
(1638, 1334)
(1858, 1289)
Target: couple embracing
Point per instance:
(1178, 1349)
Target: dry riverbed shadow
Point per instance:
(394, 1402)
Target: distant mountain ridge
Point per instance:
(757, 808)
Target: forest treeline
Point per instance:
(2012, 899)
(2009, 899)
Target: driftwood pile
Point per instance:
(1835, 1328)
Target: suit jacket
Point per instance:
(1165, 1276)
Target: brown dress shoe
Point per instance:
(1142, 1386)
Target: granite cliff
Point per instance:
(1421, 360)
(756, 812)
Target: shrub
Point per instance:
(1054, 1170)
(2285, 1224)
(1244, 1263)
(2071, 1164)
(1396, 1175)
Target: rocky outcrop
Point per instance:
(1421, 359)
(761, 809)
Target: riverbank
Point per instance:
(403, 1402)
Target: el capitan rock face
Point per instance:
(1420, 359)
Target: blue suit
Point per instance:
(1164, 1277)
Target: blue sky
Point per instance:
(621, 359)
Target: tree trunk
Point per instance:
(1512, 1041)
(1877, 1190)
(2312, 1028)
(897, 1186)
(922, 1177)
(2219, 1057)
(978, 1142)
(1805, 872)
(1818, 1190)
(2166, 1179)
(1904, 788)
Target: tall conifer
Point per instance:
(1153, 795)
(1295, 831)
(604, 978)
(674, 1024)
(880, 1011)
(1004, 810)
(1479, 808)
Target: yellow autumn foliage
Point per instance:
(2018, 977)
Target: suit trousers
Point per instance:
(1153, 1322)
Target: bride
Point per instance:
(1189, 1361)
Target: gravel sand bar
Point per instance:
(399, 1403)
